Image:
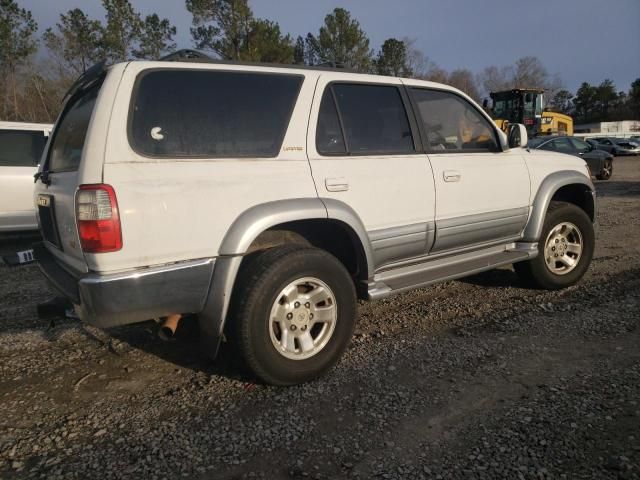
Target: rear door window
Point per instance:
(70, 132)
(209, 113)
(374, 119)
(21, 148)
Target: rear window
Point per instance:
(200, 113)
(65, 152)
(21, 148)
(374, 119)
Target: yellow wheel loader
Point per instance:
(526, 106)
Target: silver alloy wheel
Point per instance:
(606, 169)
(303, 318)
(563, 248)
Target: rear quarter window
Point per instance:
(21, 148)
(207, 113)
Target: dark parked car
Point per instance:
(617, 146)
(600, 162)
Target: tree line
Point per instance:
(31, 85)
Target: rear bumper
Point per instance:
(132, 296)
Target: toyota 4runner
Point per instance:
(267, 199)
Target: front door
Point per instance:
(363, 151)
(482, 193)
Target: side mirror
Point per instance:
(517, 135)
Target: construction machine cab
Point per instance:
(520, 105)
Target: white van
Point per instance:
(266, 199)
(21, 146)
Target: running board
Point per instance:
(448, 268)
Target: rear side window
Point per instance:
(21, 148)
(65, 152)
(453, 124)
(562, 145)
(373, 118)
(200, 113)
(580, 145)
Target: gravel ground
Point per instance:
(479, 378)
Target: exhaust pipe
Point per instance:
(168, 327)
(54, 309)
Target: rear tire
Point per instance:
(607, 170)
(565, 249)
(293, 313)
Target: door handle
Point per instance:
(451, 176)
(336, 184)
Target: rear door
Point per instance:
(363, 148)
(60, 177)
(20, 152)
(482, 193)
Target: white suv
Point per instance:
(21, 146)
(266, 199)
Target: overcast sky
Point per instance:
(582, 40)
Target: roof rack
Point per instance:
(187, 55)
(340, 65)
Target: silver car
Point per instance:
(21, 146)
(617, 146)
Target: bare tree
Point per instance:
(494, 79)
(526, 72)
(463, 79)
(417, 61)
(529, 72)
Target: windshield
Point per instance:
(21, 148)
(70, 132)
(507, 109)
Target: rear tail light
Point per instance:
(98, 219)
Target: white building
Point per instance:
(623, 128)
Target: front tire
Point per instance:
(607, 170)
(293, 313)
(565, 249)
